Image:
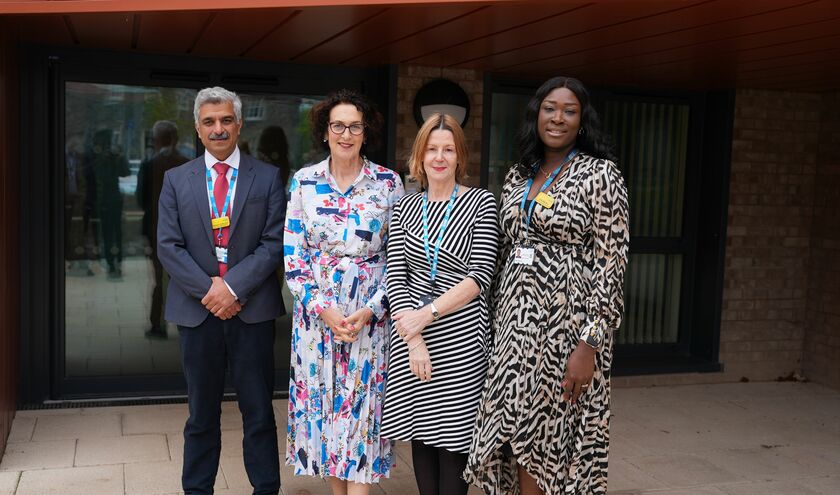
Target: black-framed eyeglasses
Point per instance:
(338, 128)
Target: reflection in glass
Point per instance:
(277, 130)
(652, 299)
(652, 145)
(505, 119)
(120, 141)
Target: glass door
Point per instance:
(119, 140)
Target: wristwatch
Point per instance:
(593, 334)
(435, 313)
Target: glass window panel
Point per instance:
(114, 165)
(652, 299)
(505, 120)
(651, 143)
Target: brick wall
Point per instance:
(411, 78)
(783, 218)
(821, 359)
(774, 157)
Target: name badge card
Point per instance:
(425, 300)
(544, 200)
(220, 223)
(523, 256)
(221, 254)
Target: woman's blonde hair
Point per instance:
(438, 122)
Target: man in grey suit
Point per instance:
(220, 238)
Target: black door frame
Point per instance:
(704, 220)
(43, 74)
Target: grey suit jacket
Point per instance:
(255, 245)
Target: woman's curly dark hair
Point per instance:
(371, 118)
(592, 140)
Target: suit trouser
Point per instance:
(248, 350)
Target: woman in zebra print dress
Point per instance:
(441, 258)
(543, 421)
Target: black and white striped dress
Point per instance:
(441, 412)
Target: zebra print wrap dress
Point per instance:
(580, 245)
(441, 412)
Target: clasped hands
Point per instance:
(408, 325)
(220, 301)
(346, 329)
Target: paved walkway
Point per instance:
(732, 439)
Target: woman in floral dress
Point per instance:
(334, 254)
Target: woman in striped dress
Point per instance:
(441, 257)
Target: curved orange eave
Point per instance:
(78, 6)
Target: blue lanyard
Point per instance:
(433, 262)
(213, 198)
(545, 186)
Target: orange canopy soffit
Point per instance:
(79, 6)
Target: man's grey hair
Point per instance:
(217, 95)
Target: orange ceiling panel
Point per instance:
(523, 42)
(76, 6)
(230, 33)
(113, 31)
(663, 43)
(387, 29)
(176, 32)
(51, 30)
(312, 28)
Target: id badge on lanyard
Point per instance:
(524, 253)
(220, 220)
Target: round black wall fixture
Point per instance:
(443, 96)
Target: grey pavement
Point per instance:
(723, 439)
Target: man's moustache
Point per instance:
(223, 135)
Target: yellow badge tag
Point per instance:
(220, 223)
(544, 200)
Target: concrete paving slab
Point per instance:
(828, 485)
(625, 477)
(38, 455)
(32, 413)
(98, 480)
(684, 470)
(768, 488)
(9, 482)
(22, 428)
(144, 421)
(77, 426)
(175, 444)
(679, 440)
(158, 478)
(773, 463)
(121, 450)
(697, 490)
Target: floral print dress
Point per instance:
(334, 255)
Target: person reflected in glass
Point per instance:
(337, 228)
(543, 421)
(149, 184)
(108, 166)
(273, 148)
(74, 190)
(441, 260)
